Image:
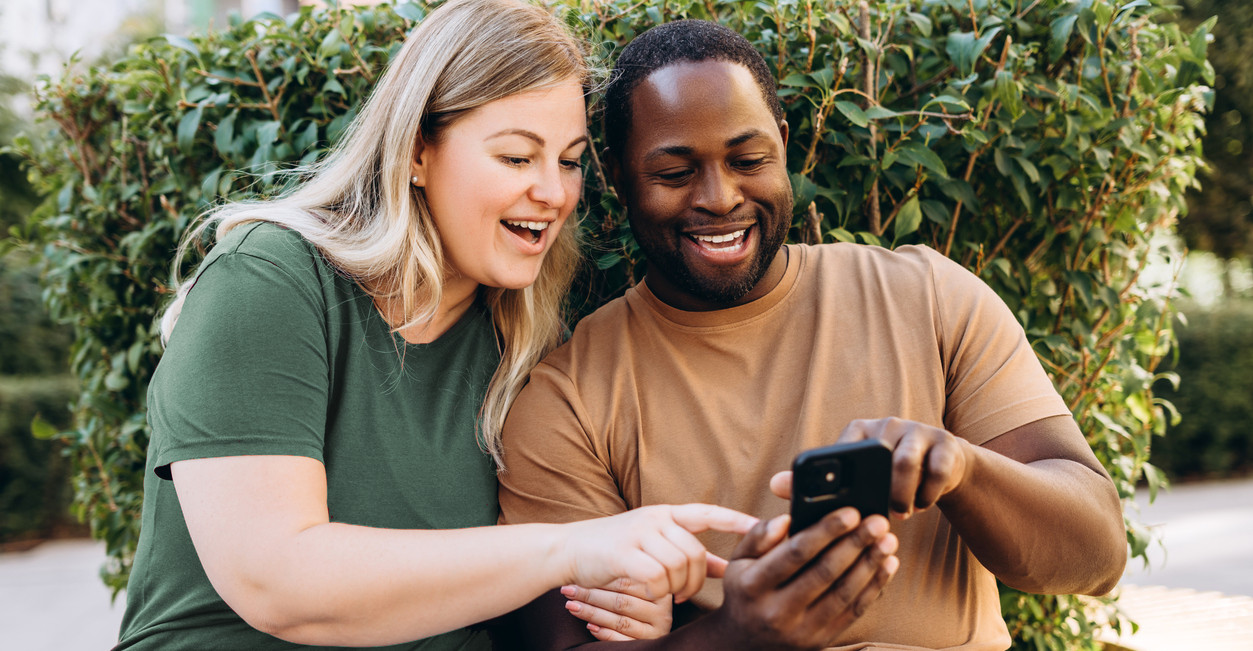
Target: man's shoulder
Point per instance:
(593, 337)
(844, 262)
(848, 253)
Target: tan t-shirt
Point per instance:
(648, 404)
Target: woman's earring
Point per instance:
(414, 180)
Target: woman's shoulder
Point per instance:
(268, 241)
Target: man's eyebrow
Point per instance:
(673, 150)
(531, 135)
(681, 150)
(745, 137)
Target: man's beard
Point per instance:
(721, 290)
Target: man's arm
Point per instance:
(1034, 504)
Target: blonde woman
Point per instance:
(315, 476)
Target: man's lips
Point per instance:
(722, 245)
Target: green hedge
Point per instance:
(1042, 144)
(35, 488)
(1214, 398)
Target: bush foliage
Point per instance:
(1215, 394)
(1039, 143)
(35, 483)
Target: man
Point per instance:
(735, 353)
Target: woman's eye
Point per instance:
(571, 164)
(515, 161)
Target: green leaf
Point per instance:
(330, 45)
(187, 128)
(182, 44)
(1009, 92)
(267, 132)
(879, 113)
(908, 219)
(841, 235)
(964, 49)
(797, 79)
(1060, 31)
(224, 138)
(42, 429)
(1028, 167)
(853, 113)
(949, 100)
(410, 11)
(921, 23)
(919, 154)
(803, 192)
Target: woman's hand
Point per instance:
(616, 616)
(649, 552)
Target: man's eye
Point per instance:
(750, 163)
(674, 175)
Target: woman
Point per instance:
(314, 476)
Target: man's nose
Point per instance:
(717, 192)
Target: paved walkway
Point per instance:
(1196, 594)
(52, 599)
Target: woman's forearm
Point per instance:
(337, 584)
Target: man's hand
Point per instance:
(927, 462)
(801, 592)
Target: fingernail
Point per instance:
(567, 590)
(877, 526)
(778, 525)
(593, 628)
(572, 606)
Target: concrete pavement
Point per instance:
(51, 598)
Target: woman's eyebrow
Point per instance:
(517, 132)
(531, 135)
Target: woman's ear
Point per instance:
(418, 168)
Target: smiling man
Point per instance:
(737, 352)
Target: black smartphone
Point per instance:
(845, 474)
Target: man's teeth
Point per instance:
(719, 239)
(533, 226)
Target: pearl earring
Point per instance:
(414, 180)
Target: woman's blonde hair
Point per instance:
(357, 207)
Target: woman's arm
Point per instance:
(261, 529)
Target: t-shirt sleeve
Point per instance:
(554, 472)
(994, 382)
(246, 368)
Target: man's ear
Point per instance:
(783, 131)
(615, 170)
(418, 168)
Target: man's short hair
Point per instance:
(663, 45)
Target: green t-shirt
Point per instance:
(277, 353)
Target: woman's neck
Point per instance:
(457, 297)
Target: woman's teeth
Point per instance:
(531, 226)
(719, 239)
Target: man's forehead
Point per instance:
(682, 83)
(701, 96)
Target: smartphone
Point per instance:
(845, 474)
